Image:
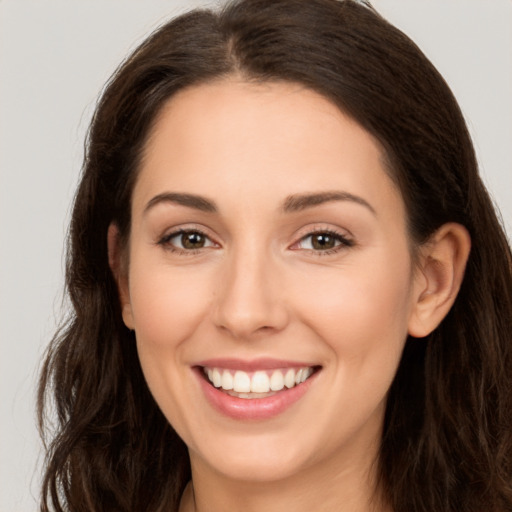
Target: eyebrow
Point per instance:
(293, 203)
(299, 202)
(189, 200)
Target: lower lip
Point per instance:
(253, 408)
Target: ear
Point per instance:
(438, 277)
(119, 269)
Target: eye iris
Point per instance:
(192, 240)
(323, 241)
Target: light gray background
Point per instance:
(54, 58)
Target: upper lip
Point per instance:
(253, 364)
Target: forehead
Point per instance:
(266, 139)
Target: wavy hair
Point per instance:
(447, 437)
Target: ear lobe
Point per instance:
(118, 267)
(439, 277)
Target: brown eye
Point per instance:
(193, 240)
(323, 241)
(186, 240)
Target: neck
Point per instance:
(327, 487)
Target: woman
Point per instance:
(290, 287)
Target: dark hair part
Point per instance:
(447, 440)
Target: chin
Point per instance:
(254, 457)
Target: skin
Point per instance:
(259, 288)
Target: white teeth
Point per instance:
(260, 382)
(289, 378)
(227, 380)
(276, 381)
(217, 378)
(241, 382)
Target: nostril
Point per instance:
(248, 303)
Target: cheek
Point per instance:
(361, 316)
(362, 311)
(167, 304)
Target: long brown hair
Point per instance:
(447, 440)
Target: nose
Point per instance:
(250, 298)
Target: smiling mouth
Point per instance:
(258, 384)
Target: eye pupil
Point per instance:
(322, 241)
(192, 240)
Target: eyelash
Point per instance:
(166, 239)
(343, 241)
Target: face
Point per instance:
(270, 283)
